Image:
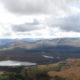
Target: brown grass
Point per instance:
(71, 71)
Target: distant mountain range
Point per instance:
(32, 50)
(32, 44)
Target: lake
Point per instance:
(15, 63)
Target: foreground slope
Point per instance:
(63, 70)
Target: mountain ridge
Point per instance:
(75, 42)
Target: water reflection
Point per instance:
(15, 63)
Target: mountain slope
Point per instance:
(75, 42)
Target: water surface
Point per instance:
(15, 63)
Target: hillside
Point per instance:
(64, 70)
(35, 51)
(70, 69)
(16, 44)
(23, 43)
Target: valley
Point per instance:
(57, 59)
(39, 51)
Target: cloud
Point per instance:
(48, 32)
(69, 23)
(25, 6)
(27, 27)
(54, 7)
(54, 18)
(5, 30)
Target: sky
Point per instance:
(39, 18)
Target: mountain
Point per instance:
(33, 51)
(25, 43)
(19, 44)
(69, 42)
(58, 45)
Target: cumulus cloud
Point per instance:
(54, 7)
(27, 27)
(5, 30)
(69, 23)
(55, 18)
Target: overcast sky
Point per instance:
(39, 18)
